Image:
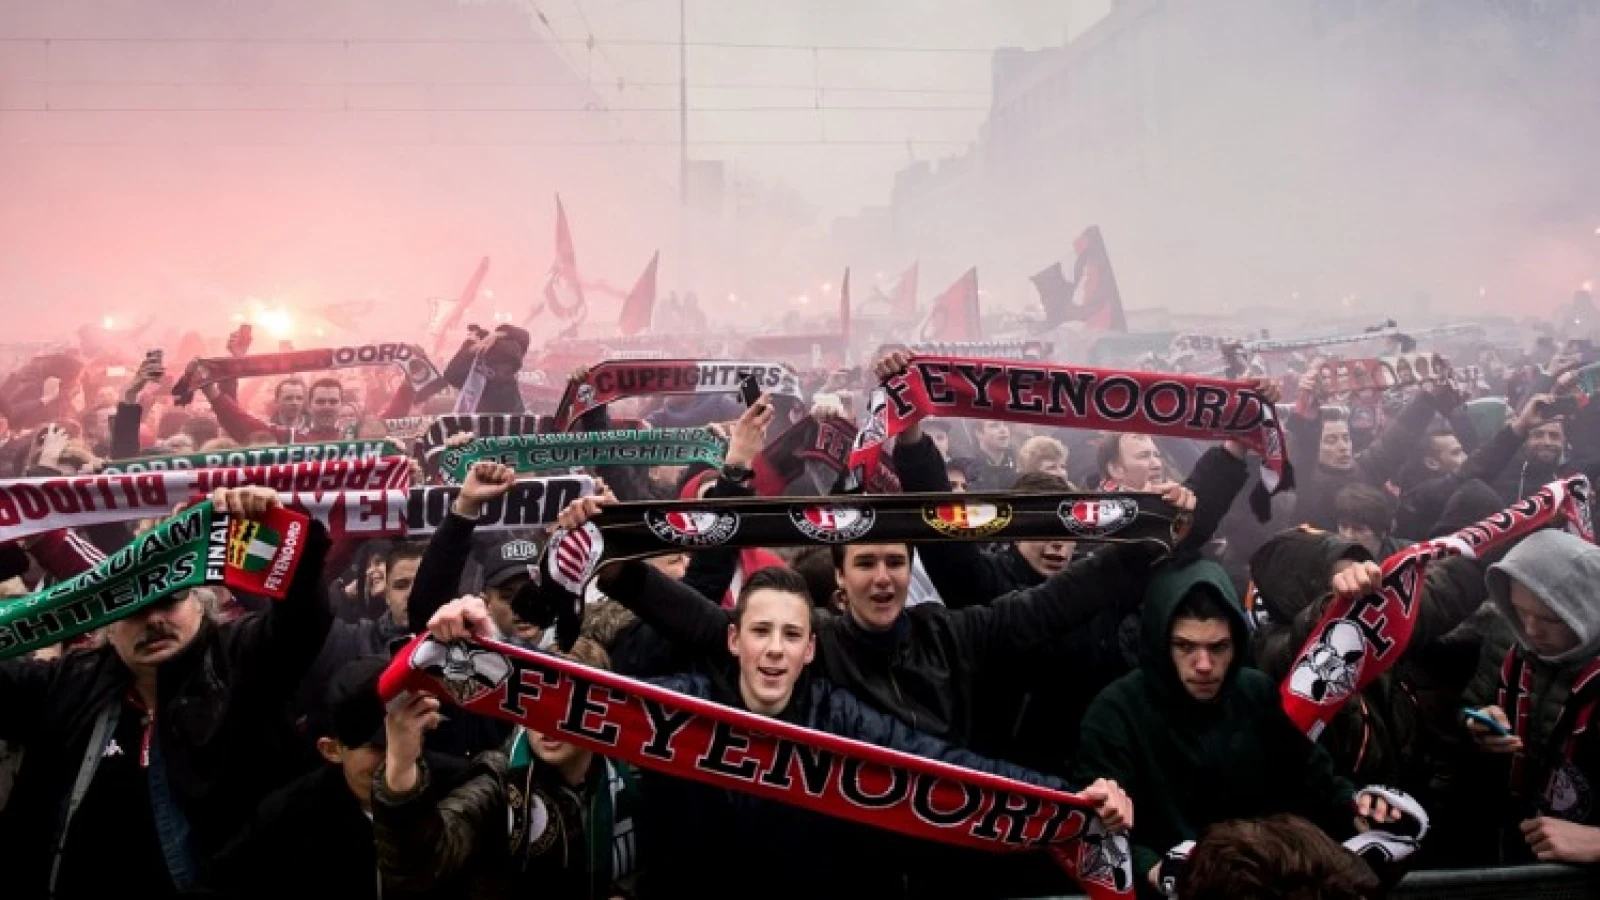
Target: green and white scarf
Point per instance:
(545, 452)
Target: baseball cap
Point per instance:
(355, 713)
(508, 560)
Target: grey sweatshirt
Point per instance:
(1563, 572)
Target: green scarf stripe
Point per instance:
(544, 452)
(257, 456)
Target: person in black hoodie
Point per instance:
(710, 842)
(145, 755)
(502, 351)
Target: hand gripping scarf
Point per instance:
(410, 359)
(625, 531)
(432, 433)
(543, 452)
(1358, 640)
(239, 457)
(1182, 406)
(200, 545)
(690, 738)
(31, 505)
(613, 380)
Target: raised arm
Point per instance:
(445, 558)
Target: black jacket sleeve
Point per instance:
(711, 570)
(679, 612)
(275, 649)
(1399, 439)
(1487, 462)
(24, 692)
(961, 572)
(439, 572)
(1216, 480)
(1025, 623)
(125, 430)
(456, 371)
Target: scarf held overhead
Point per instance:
(542, 452)
(410, 359)
(690, 738)
(419, 512)
(31, 505)
(200, 545)
(1358, 640)
(614, 380)
(239, 457)
(1183, 406)
(626, 531)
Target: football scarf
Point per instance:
(543, 452)
(239, 457)
(615, 380)
(199, 545)
(625, 531)
(825, 439)
(1354, 376)
(1290, 345)
(985, 349)
(472, 386)
(686, 737)
(1358, 640)
(410, 359)
(31, 505)
(530, 503)
(1567, 793)
(1183, 406)
(435, 431)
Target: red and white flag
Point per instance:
(954, 316)
(639, 307)
(563, 289)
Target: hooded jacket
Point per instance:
(1563, 571)
(1189, 763)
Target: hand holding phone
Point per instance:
(1486, 720)
(749, 390)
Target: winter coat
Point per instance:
(688, 830)
(224, 737)
(512, 827)
(1187, 763)
(1317, 485)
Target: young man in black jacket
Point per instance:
(702, 841)
(144, 756)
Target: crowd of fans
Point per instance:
(215, 744)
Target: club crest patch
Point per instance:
(698, 528)
(968, 519)
(1331, 668)
(1098, 518)
(468, 672)
(833, 524)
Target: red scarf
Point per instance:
(1515, 696)
(615, 380)
(1358, 640)
(1183, 406)
(687, 737)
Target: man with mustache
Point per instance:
(145, 755)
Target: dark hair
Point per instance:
(403, 550)
(772, 578)
(1110, 450)
(839, 554)
(815, 565)
(1041, 483)
(277, 392)
(964, 466)
(1281, 856)
(1203, 605)
(326, 383)
(1363, 504)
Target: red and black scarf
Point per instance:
(687, 737)
(1358, 640)
(827, 440)
(615, 380)
(1183, 406)
(1571, 801)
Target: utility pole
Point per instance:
(684, 278)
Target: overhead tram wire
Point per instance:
(615, 42)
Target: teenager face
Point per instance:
(1548, 634)
(994, 437)
(497, 600)
(1138, 465)
(1046, 557)
(357, 763)
(773, 643)
(1202, 650)
(1336, 451)
(875, 578)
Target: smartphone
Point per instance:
(749, 390)
(1560, 407)
(1485, 721)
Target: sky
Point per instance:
(923, 104)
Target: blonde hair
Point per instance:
(1036, 451)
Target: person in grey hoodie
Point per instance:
(1538, 679)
